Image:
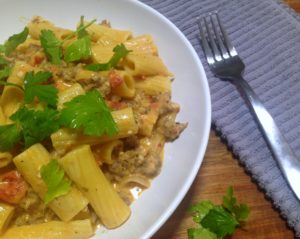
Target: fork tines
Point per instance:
(214, 40)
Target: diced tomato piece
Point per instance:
(114, 79)
(12, 187)
(38, 59)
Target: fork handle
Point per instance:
(286, 158)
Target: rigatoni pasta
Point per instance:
(5, 159)
(29, 164)
(78, 229)
(84, 117)
(154, 85)
(6, 214)
(12, 97)
(64, 139)
(82, 168)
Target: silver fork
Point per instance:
(225, 63)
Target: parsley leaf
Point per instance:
(200, 233)
(89, 112)
(241, 211)
(5, 72)
(217, 221)
(36, 125)
(10, 135)
(51, 46)
(199, 210)
(81, 30)
(3, 61)
(120, 51)
(79, 49)
(33, 87)
(98, 67)
(11, 44)
(229, 201)
(57, 185)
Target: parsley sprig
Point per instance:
(217, 221)
(78, 50)
(81, 48)
(35, 125)
(88, 113)
(54, 178)
(12, 42)
(51, 46)
(34, 87)
(29, 127)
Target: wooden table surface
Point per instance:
(219, 170)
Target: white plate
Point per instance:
(190, 89)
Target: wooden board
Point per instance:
(220, 170)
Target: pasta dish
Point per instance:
(84, 117)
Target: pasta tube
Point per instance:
(29, 164)
(147, 122)
(64, 139)
(38, 23)
(83, 75)
(52, 230)
(106, 35)
(82, 168)
(126, 87)
(105, 152)
(12, 97)
(6, 213)
(142, 45)
(5, 159)
(26, 44)
(102, 54)
(146, 65)
(154, 85)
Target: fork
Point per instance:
(226, 64)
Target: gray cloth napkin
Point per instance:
(266, 33)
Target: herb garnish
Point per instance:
(57, 184)
(217, 221)
(51, 46)
(79, 49)
(89, 112)
(11, 44)
(34, 87)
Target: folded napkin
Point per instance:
(266, 33)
